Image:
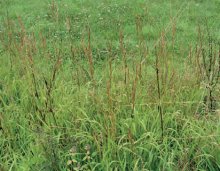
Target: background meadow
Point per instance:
(109, 85)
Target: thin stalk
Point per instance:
(159, 94)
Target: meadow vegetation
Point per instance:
(109, 85)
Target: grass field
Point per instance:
(109, 85)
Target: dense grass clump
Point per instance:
(109, 85)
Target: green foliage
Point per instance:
(78, 89)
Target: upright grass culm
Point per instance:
(159, 93)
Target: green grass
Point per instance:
(56, 114)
